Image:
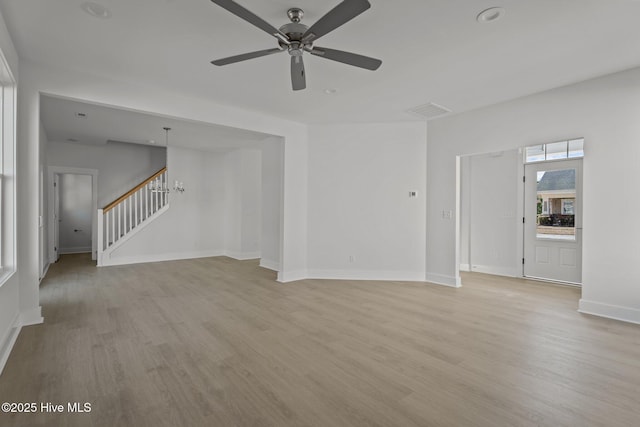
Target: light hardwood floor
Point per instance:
(217, 342)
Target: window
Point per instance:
(567, 206)
(576, 148)
(557, 194)
(7, 171)
(535, 153)
(555, 151)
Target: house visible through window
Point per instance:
(567, 206)
(557, 196)
(556, 188)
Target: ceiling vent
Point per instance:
(429, 111)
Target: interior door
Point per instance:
(75, 213)
(553, 221)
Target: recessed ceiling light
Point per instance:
(490, 15)
(96, 10)
(330, 91)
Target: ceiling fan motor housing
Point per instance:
(294, 30)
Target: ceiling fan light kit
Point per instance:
(296, 38)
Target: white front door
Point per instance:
(553, 221)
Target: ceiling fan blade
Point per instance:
(245, 56)
(347, 58)
(342, 13)
(298, 80)
(251, 18)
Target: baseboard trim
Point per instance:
(8, 340)
(496, 271)
(465, 267)
(269, 264)
(377, 275)
(242, 256)
(610, 311)
(444, 280)
(291, 276)
(140, 259)
(31, 317)
(382, 275)
(78, 250)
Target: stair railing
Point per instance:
(130, 210)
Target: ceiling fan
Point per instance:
(297, 38)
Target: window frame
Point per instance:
(547, 156)
(8, 200)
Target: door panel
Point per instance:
(553, 221)
(75, 209)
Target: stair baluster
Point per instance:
(125, 214)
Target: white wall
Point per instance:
(220, 213)
(12, 316)
(193, 226)
(489, 204)
(243, 199)
(362, 223)
(465, 213)
(97, 89)
(605, 111)
(43, 233)
(271, 203)
(251, 203)
(120, 166)
(28, 203)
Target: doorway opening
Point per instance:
(489, 213)
(72, 218)
(521, 212)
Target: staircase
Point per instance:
(129, 213)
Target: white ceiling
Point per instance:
(432, 51)
(101, 124)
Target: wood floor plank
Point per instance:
(218, 342)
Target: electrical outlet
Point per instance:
(352, 259)
(447, 214)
